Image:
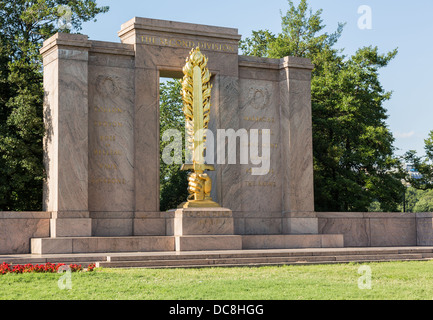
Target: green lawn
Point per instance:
(390, 281)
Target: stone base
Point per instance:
(127, 224)
(203, 221)
(69, 245)
(301, 225)
(205, 243)
(101, 244)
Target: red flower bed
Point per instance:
(41, 268)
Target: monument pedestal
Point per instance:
(198, 229)
(203, 221)
(208, 243)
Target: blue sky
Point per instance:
(400, 24)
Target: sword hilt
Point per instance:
(197, 167)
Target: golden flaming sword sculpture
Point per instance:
(196, 93)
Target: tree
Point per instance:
(173, 181)
(413, 196)
(425, 204)
(21, 132)
(258, 44)
(414, 201)
(24, 24)
(423, 164)
(353, 149)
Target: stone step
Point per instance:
(247, 261)
(275, 264)
(200, 256)
(425, 252)
(84, 260)
(174, 259)
(379, 257)
(210, 262)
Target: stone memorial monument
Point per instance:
(102, 143)
(102, 152)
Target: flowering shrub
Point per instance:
(41, 268)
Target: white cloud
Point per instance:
(404, 135)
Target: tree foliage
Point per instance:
(423, 164)
(173, 181)
(414, 200)
(353, 148)
(425, 203)
(24, 24)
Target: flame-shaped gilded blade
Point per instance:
(198, 118)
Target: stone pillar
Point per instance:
(259, 109)
(297, 153)
(146, 120)
(65, 58)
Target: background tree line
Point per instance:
(419, 194)
(24, 24)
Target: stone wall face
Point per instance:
(261, 207)
(275, 95)
(111, 138)
(358, 229)
(375, 229)
(17, 228)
